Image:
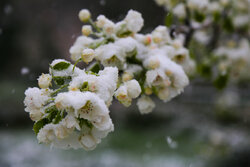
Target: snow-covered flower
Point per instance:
(111, 55)
(133, 88)
(121, 94)
(35, 98)
(62, 68)
(44, 81)
(88, 55)
(81, 43)
(107, 25)
(134, 21)
(145, 104)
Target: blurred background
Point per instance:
(200, 128)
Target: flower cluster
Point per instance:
(148, 64)
(209, 9)
(79, 116)
(70, 109)
(234, 59)
(210, 24)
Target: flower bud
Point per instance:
(86, 30)
(88, 55)
(84, 15)
(127, 76)
(44, 81)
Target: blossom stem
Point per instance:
(59, 89)
(94, 25)
(76, 64)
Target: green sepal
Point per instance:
(85, 87)
(61, 66)
(123, 32)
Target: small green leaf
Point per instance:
(50, 109)
(86, 122)
(204, 70)
(169, 19)
(199, 16)
(124, 34)
(228, 24)
(57, 118)
(221, 81)
(133, 60)
(96, 67)
(61, 66)
(60, 80)
(216, 16)
(40, 124)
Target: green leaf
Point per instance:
(124, 34)
(199, 16)
(221, 81)
(60, 80)
(228, 24)
(216, 16)
(96, 67)
(54, 115)
(57, 118)
(86, 122)
(133, 60)
(61, 66)
(169, 19)
(40, 124)
(204, 70)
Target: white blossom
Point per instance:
(145, 104)
(81, 43)
(44, 81)
(88, 55)
(134, 21)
